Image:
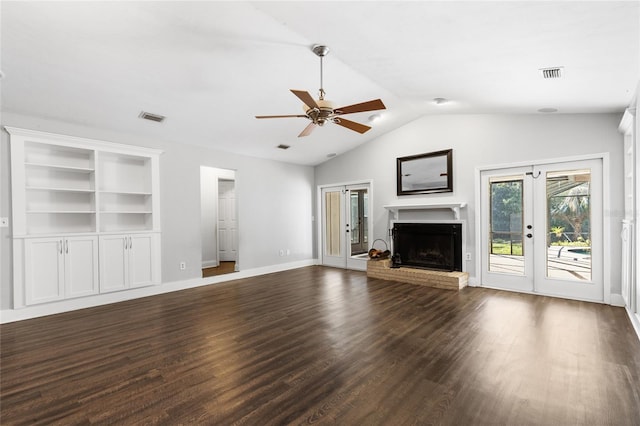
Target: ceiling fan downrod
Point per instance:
(321, 51)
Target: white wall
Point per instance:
(209, 215)
(274, 203)
(481, 140)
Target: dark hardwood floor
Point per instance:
(222, 269)
(323, 345)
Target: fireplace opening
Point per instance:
(429, 245)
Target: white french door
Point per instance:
(542, 229)
(507, 254)
(345, 226)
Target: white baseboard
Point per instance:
(617, 300)
(12, 315)
(635, 321)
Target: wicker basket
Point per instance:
(379, 254)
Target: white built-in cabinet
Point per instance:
(58, 268)
(127, 261)
(630, 274)
(85, 216)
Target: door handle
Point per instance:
(66, 246)
(130, 243)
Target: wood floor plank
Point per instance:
(326, 346)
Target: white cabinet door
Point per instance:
(81, 266)
(128, 261)
(44, 270)
(114, 260)
(142, 249)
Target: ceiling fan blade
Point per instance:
(280, 116)
(307, 130)
(305, 97)
(352, 125)
(361, 107)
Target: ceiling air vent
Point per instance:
(153, 117)
(282, 146)
(555, 72)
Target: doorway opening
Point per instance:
(218, 221)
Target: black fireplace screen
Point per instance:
(429, 245)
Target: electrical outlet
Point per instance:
(467, 256)
(183, 266)
(4, 222)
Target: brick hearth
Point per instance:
(439, 279)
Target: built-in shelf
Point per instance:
(454, 207)
(61, 179)
(42, 188)
(85, 217)
(61, 211)
(124, 192)
(125, 212)
(62, 168)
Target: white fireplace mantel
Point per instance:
(454, 207)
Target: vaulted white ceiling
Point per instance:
(209, 67)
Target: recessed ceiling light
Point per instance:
(283, 146)
(548, 110)
(440, 101)
(152, 117)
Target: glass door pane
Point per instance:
(358, 216)
(506, 251)
(569, 225)
(333, 221)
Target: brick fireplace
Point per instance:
(430, 254)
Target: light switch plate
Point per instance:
(4, 222)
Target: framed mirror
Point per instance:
(425, 173)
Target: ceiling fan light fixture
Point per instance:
(322, 104)
(374, 117)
